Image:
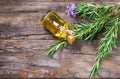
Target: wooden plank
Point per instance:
(38, 5)
(78, 63)
(23, 40)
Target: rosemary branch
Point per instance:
(106, 43)
(88, 30)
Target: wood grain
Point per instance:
(23, 40)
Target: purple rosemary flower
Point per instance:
(69, 10)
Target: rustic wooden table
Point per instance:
(23, 40)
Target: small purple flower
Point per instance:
(69, 10)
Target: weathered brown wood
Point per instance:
(23, 40)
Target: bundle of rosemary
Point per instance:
(98, 17)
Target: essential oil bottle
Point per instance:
(57, 26)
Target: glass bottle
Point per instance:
(57, 26)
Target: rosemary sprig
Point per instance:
(105, 45)
(88, 30)
(91, 11)
(55, 47)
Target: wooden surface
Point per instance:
(23, 40)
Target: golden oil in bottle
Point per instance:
(57, 26)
